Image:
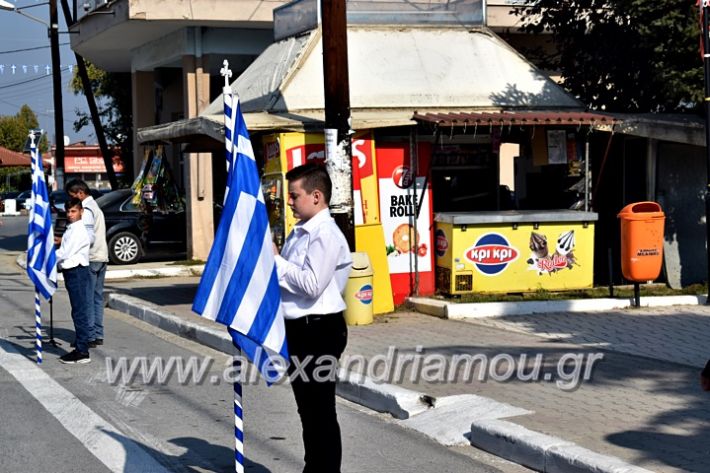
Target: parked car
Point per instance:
(58, 198)
(23, 199)
(133, 234)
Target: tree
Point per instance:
(622, 55)
(113, 99)
(15, 129)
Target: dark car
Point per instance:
(57, 199)
(132, 233)
(23, 199)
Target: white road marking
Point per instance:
(114, 449)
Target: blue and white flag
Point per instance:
(239, 287)
(41, 258)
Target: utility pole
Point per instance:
(338, 147)
(57, 92)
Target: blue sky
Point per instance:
(34, 85)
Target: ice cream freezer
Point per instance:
(514, 251)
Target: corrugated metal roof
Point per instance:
(394, 71)
(516, 118)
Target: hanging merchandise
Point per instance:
(155, 187)
(138, 183)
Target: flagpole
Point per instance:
(236, 363)
(238, 416)
(41, 258)
(38, 327)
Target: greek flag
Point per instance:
(239, 287)
(41, 259)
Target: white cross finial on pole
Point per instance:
(226, 73)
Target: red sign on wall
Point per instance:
(81, 164)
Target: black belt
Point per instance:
(313, 319)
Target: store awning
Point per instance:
(509, 118)
(212, 126)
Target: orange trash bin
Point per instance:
(641, 241)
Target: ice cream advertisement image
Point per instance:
(545, 261)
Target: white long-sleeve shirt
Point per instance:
(313, 268)
(74, 250)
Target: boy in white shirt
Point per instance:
(73, 261)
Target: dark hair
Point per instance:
(76, 185)
(73, 202)
(313, 176)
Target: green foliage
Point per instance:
(622, 55)
(113, 99)
(14, 178)
(14, 129)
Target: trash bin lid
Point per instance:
(641, 211)
(361, 264)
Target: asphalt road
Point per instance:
(60, 418)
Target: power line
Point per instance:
(11, 51)
(25, 81)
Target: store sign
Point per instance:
(362, 157)
(402, 200)
(403, 177)
(364, 180)
(364, 295)
(84, 164)
(305, 153)
(491, 254)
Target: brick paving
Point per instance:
(642, 403)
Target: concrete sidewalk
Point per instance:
(642, 405)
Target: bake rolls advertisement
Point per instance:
(399, 206)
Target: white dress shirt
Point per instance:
(313, 268)
(74, 250)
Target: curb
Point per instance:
(543, 452)
(502, 438)
(114, 274)
(448, 310)
(166, 272)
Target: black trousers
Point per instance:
(323, 338)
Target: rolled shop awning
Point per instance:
(212, 126)
(510, 118)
